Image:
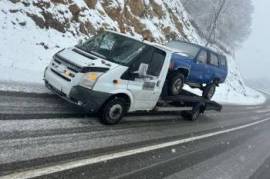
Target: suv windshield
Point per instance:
(113, 47)
(189, 49)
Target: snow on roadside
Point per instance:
(25, 87)
(23, 53)
(251, 97)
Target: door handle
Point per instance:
(158, 83)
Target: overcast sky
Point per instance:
(254, 57)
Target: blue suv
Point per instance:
(197, 66)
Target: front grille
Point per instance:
(71, 66)
(60, 75)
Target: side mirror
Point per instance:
(142, 71)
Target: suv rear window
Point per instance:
(223, 62)
(213, 59)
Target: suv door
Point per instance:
(213, 67)
(198, 68)
(146, 90)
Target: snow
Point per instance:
(159, 2)
(25, 50)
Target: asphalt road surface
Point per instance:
(42, 136)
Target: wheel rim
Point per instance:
(211, 92)
(177, 86)
(115, 112)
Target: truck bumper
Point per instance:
(90, 100)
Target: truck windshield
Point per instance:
(113, 47)
(189, 49)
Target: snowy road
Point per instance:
(35, 141)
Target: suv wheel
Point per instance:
(176, 83)
(209, 91)
(113, 111)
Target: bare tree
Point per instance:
(213, 25)
(226, 21)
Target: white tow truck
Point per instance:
(112, 74)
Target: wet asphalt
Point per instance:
(38, 130)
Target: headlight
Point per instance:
(90, 79)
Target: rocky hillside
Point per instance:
(32, 31)
(164, 20)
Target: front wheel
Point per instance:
(176, 83)
(113, 111)
(209, 91)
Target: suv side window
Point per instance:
(223, 62)
(202, 57)
(213, 60)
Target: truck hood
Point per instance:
(84, 59)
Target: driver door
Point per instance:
(146, 89)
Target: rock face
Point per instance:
(164, 20)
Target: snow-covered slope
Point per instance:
(32, 31)
(262, 84)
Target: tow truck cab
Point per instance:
(110, 74)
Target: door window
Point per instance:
(154, 58)
(144, 57)
(202, 57)
(213, 59)
(157, 62)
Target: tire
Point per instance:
(113, 111)
(195, 114)
(191, 115)
(209, 91)
(176, 83)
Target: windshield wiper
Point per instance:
(97, 54)
(91, 51)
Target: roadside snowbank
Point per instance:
(224, 95)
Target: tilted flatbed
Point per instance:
(190, 104)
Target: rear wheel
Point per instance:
(113, 111)
(191, 115)
(176, 83)
(209, 91)
(194, 115)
